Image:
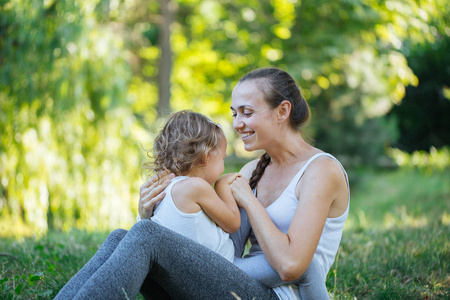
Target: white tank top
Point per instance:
(282, 210)
(196, 226)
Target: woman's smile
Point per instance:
(246, 135)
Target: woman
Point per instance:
(293, 211)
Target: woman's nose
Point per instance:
(237, 123)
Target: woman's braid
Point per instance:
(259, 171)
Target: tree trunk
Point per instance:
(165, 61)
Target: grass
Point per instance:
(395, 244)
(39, 267)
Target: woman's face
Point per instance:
(253, 118)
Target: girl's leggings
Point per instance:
(162, 265)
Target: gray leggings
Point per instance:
(161, 264)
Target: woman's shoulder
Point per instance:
(325, 163)
(248, 168)
(327, 174)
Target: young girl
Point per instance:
(194, 148)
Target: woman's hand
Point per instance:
(241, 190)
(152, 192)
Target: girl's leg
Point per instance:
(102, 255)
(184, 268)
(311, 284)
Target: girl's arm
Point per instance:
(290, 254)
(224, 212)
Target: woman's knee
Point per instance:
(143, 226)
(148, 230)
(119, 233)
(116, 236)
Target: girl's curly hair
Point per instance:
(184, 142)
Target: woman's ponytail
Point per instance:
(259, 171)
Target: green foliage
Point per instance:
(422, 116)
(78, 88)
(428, 161)
(68, 139)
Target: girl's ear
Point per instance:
(206, 158)
(284, 110)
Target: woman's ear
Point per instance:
(284, 110)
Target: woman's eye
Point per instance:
(247, 114)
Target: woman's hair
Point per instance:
(277, 85)
(184, 142)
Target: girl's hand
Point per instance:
(241, 190)
(227, 178)
(151, 193)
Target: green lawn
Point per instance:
(395, 244)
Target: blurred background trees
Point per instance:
(84, 85)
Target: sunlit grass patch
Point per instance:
(395, 245)
(404, 197)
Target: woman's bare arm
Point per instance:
(290, 254)
(151, 193)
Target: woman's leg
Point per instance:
(240, 237)
(151, 290)
(184, 268)
(102, 255)
(311, 284)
